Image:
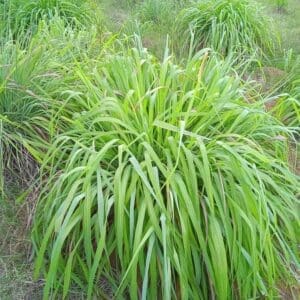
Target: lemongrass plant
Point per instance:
(167, 185)
(23, 16)
(287, 107)
(33, 83)
(19, 104)
(226, 26)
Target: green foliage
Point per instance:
(33, 83)
(287, 105)
(287, 108)
(158, 180)
(226, 26)
(19, 105)
(281, 4)
(158, 12)
(167, 185)
(23, 16)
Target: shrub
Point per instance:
(167, 185)
(225, 26)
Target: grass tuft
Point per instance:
(168, 185)
(23, 16)
(227, 26)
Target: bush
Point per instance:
(167, 185)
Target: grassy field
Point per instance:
(287, 22)
(178, 123)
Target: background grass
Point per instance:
(287, 22)
(226, 26)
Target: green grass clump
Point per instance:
(19, 104)
(167, 185)
(154, 180)
(23, 16)
(33, 85)
(286, 89)
(287, 107)
(226, 26)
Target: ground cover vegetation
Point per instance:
(149, 150)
